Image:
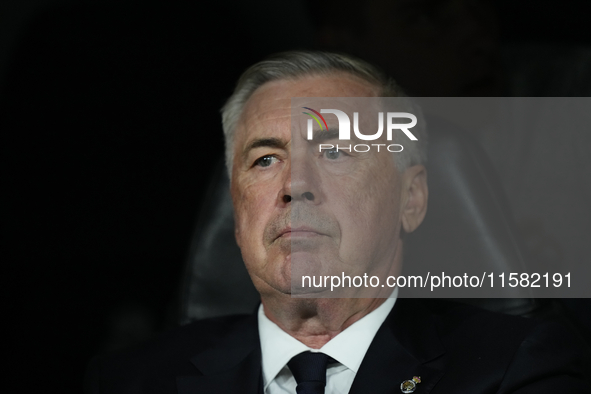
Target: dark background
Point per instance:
(110, 126)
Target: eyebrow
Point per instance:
(262, 143)
(324, 135)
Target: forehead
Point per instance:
(271, 103)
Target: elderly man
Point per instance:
(328, 209)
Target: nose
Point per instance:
(305, 196)
(301, 183)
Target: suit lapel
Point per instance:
(406, 345)
(232, 366)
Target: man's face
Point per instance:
(295, 205)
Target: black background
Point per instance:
(110, 126)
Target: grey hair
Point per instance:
(292, 65)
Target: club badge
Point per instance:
(409, 386)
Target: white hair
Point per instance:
(293, 65)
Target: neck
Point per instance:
(315, 321)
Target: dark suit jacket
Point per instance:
(454, 348)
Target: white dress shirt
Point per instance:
(348, 348)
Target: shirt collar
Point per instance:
(348, 347)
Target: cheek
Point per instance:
(367, 206)
(252, 209)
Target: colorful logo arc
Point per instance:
(315, 118)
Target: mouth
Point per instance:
(298, 232)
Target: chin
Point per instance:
(307, 292)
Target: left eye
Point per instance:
(332, 154)
(265, 161)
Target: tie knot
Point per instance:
(309, 371)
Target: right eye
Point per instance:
(265, 161)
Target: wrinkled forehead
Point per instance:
(267, 105)
(270, 106)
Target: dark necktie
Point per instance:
(309, 371)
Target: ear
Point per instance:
(233, 193)
(237, 235)
(414, 197)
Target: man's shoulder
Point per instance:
(154, 365)
(458, 313)
(457, 320)
(510, 351)
(185, 340)
(462, 312)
